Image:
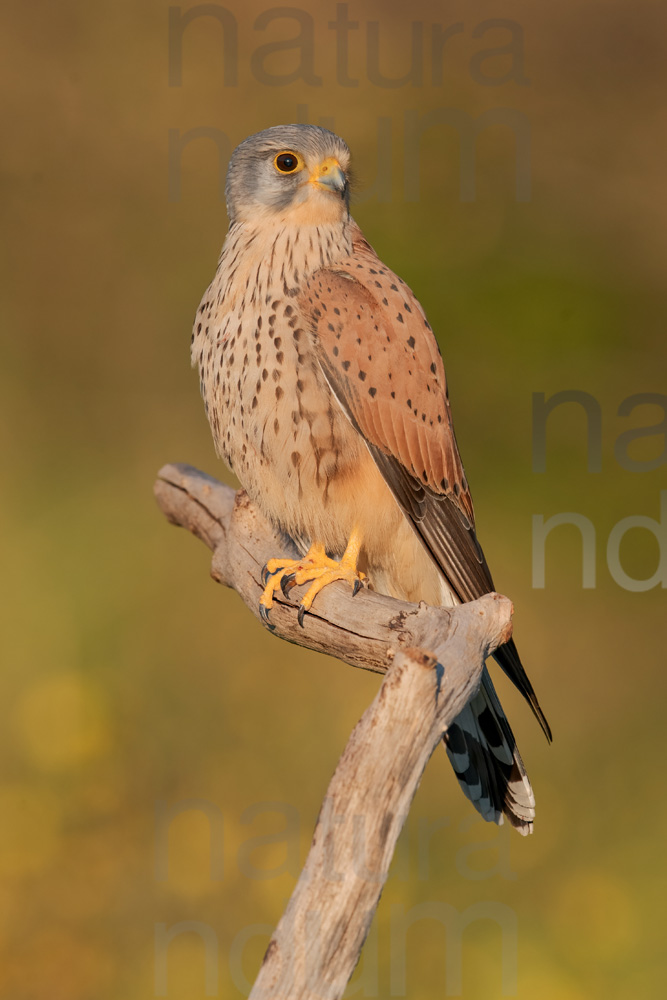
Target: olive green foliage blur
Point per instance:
(129, 679)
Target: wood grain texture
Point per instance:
(433, 660)
(359, 630)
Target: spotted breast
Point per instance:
(265, 394)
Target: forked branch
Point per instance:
(432, 658)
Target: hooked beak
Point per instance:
(330, 176)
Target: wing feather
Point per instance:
(378, 353)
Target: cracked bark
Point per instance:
(432, 659)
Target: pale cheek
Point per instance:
(316, 208)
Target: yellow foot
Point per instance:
(316, 566)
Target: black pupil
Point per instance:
(286, 162)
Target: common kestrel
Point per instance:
(326, 394)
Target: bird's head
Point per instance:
(296, 172)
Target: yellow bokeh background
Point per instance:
(132, 685)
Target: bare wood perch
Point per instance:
(433, 659)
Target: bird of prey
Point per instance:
(326, 395)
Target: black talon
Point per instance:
(300, 616)
(357, 587)
(264, 613)
(265, 575)
(288, 583)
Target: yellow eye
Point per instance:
(288, 162)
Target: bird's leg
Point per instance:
(322, 575)
(278, 574)
(316, 566)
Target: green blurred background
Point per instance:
(129, 678)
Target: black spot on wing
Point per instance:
(455, 740)
(489, 727)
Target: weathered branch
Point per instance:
(433, 658)
(358, 630)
